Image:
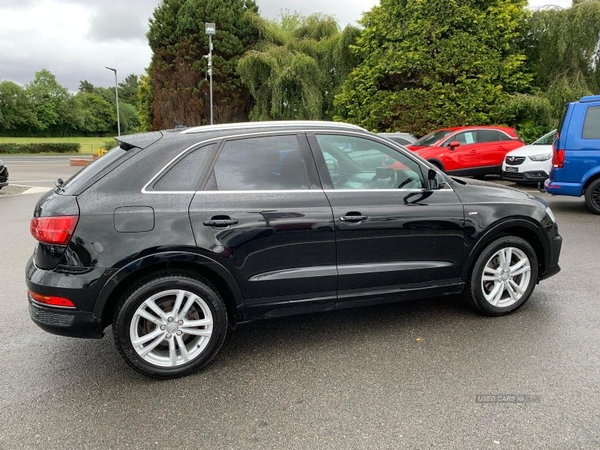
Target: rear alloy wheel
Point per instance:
(170, 326)
(592, 196)
(503, 276)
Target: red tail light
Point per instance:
(558, 159)
(53, 230)
(51, 300)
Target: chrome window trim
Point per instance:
(363, 134)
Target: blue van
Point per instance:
(576, 153)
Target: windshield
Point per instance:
(431, 138)
(546, 139)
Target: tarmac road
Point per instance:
(396, 376)
(39, 171)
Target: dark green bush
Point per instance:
(109, 145)
(32, 148)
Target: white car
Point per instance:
(530, 164)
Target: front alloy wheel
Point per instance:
(170, 325)
(506, 277)
(503, 276)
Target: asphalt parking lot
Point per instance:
(397, 376)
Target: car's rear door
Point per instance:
(493, 147)
(263, 215)
(394, 238)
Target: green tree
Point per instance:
(52, 103)
(427, 64)
(144, 103)
(95, 116)
(297, 68)
(128, 89)
(86, 86)
(563, 51)
(178, 70)
(17, 113)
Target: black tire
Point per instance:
(474, 290)
(157, 285)
(592, 196)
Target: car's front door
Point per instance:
(264, 216)
(393, 236)
(465, 156)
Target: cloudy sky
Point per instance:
(75, 39)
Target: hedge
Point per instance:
(7, 149)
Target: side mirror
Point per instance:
(432, 181)
(453, 145)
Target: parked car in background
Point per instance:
(400, 138)
(175, 237)
(530, 164)
(576, 153)
(3, 175)
(475, 151)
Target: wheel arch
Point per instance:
(591, 178)
(522, 228)
(194, 264)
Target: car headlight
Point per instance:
(550, 214)
(541, 157)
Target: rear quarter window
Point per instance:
(186, 173)
(80, 179)
(591, 123)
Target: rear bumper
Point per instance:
(561, 188)
(80, 287)
(65, 322)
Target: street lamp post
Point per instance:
(117, 99)
(210, 29)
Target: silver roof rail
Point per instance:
(269, 124)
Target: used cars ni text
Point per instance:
(176, 237)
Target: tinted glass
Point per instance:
(465, 138)
(358, 163)
(591, 125)
(261, 163)
(83, 176)
(185, 174)
(399, 140)
(432, 138)
(490, 136)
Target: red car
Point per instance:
(468, 150)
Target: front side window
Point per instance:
(261, 163)
(358, 163)
(465, 138)
(431, 138)
(591, 125)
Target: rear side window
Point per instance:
(186, 173)
(591, 124)
(77, 181)
(490, 136)
(260, 163)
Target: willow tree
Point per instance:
(297, 67)
(427, 64)
(563, 51)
